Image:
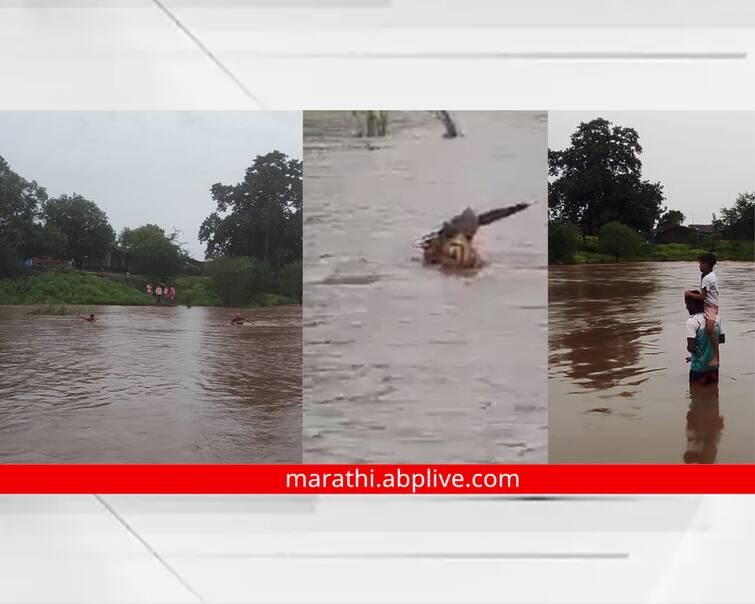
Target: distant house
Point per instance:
(675, 233)
(44, 261)
(115, 259)
(194, 267)
(703, 229)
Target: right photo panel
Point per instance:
(651, 287)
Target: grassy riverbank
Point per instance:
(61, 286)
(668, 252)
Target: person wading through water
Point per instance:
(699, 343)
(704, 422)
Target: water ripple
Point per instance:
(150, 385)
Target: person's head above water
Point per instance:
(694, 305)
(707, 262)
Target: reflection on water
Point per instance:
(618, 382)
(403, 363)
(704, 424)
(150, 385)
(605, 329)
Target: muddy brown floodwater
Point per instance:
(619, 388)
(150, 385)
(404, 363)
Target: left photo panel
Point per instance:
(150, 287)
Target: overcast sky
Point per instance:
(150, 167)
(703, 159)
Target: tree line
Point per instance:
(596, 188)
(253, 238)
(33, 224)
(73, 228)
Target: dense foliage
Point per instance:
(619, 240)
(254, 244)
(151, 251)
(563, 242)
(260, 217)
(86, 229)
(671, 218)
(596, 187)
(598, 179)
(738, 221)
(62, 284)
(254, 237)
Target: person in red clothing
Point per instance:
(239, 319)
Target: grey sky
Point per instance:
(703, 159)
(145, 167)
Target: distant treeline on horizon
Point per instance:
(254, 235)
(596, 190)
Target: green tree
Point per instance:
(712, 241)
(21, 207)
(8, 260)
(85, 226)
(671, 218)
(46, 240)
(563, 241)
(152, 251)
(261, 281)
(619, 241)
(231, 278)
(261, 216)
(290, 281)
(598, 180)
(739, 219)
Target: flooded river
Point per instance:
(402, 362)
(619, 388)
(150, 385)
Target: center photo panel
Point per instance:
(425, 287)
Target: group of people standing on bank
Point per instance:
(162, 292)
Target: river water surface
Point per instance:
(404, 363)
(150, 385)
(619, 388)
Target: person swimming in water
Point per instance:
(239, 319)
(91, 318)
(452, 246)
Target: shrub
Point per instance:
(58, 285)
(290, 281)
(563, 242)
(8, 261)
(712, 241)
(619, 241)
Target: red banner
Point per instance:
(378, 479)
